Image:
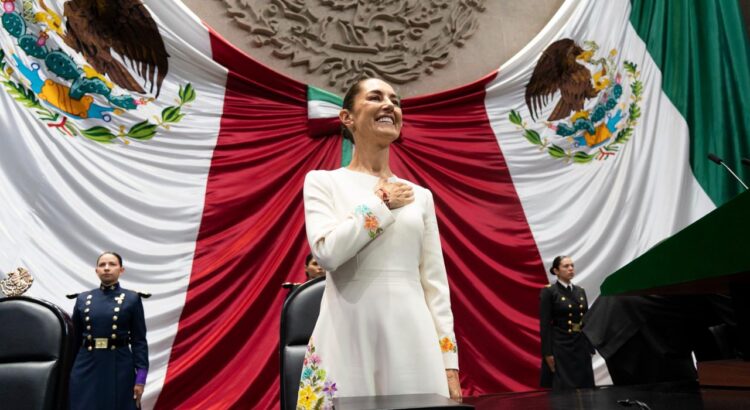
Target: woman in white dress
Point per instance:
(385, 324)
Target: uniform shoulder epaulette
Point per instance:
(144, 295)
(549, 285)
(75, 295)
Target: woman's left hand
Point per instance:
(454, 385)
(137, 393)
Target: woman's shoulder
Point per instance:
(548, 289)
(324, 179)
(135, 294)
(324, 171)
(82, 296)
(317, 174)
(128, 292)
(325, 174)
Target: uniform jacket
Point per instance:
(110, 329)
(560, 311)
(561, 321)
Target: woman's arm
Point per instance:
(545, 328)
(437, 295)
(77, 326)
(138, 343)
(334, 241)
(435, 284)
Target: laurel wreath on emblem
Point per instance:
(72, 91)
(582, 135)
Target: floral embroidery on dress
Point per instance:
(448, 344)
(316, 390)
(372, 224)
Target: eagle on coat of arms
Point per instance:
(558, 69)
(87, 60)
(598, 106)
(94, 27)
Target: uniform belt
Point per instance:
(569, 327)
(104, 343)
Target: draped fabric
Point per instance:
(493, 264)
(200, 188)
(251, 241)
(702, 49)
(603, 204)
(264, 151)
(606, 196)
(71, 190)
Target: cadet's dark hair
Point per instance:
(556, 263)
(348, 104)
(116, 255)
(308, 259)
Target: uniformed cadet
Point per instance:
(112, 362)
(566, 353)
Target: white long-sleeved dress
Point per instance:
(385, 323)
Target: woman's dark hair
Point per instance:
(348, 104)
(556, 263)
(308, 259)
(116, 255)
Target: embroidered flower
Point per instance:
(362, 210)
(314, 359)
(372, 224)
(448, 345)
(316, 390)
(307, 398)
(329, 388)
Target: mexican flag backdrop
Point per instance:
(188, 157)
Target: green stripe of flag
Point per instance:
(323, 104)
(316, 94)
(701, 49)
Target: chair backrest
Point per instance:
(298, 317)
(36, 353)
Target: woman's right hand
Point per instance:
(398, 193)
(550, 362)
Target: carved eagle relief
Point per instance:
(95, 28)
(17, 282)
(557, 69)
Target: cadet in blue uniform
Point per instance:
(566, 353)
(112, 362)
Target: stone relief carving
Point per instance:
(397, 40)
(16, 283)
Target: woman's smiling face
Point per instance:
(376, 112)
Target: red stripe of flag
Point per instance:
(251, 240)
